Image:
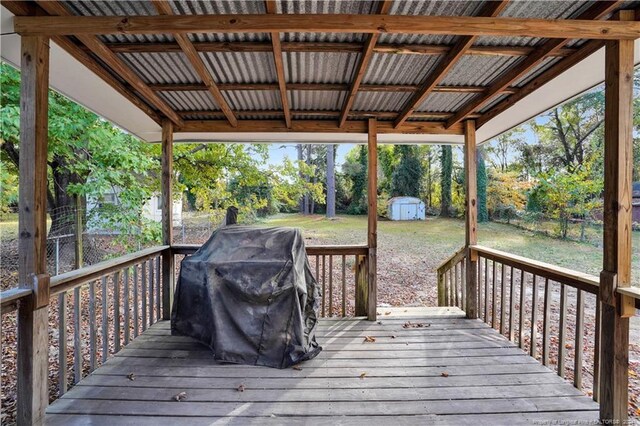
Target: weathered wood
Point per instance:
(317, 126)
(576, 279)
(533, 347)
(503, 309)
(158, 288)
(330, 23)
(276, 45)
(344, 285)
(136, 304)
(32, 329)
(93, 348)
(618, 155)
(372, 214)
(143, 295)
(471, 216)
(116, 311)
(579, 341)
(494, 296)
(324, 282)
(486, 290)
(168, 260)
(105, 324)
(127, 310)
(456, 285)
(361, 285)
(596, 353)
(522, 310)
(512, 306)
(562, 331)
(77, 333)
(546, 320)
(62, 344)
(150, 291)
(330, 285)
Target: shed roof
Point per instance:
(319, 70)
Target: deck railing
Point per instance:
(334, 267)
(451, 280)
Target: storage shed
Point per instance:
(406, 208)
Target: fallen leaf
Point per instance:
(180, 397)
(241, 388)
(369, 339)
(131, 376)
(568, 346)
(363, 375)
(410, 324)
(444, 374)
(297, 367)
(387, 313)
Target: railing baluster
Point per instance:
(522, 310)
(135, 301)
(512, 306)
(126, 306)
(62, 343)
(324, 280)
(596, 354)
(92, 326)
(116, 311)
(77, 343)
(143, 296)
(150, 302)
(533, 347)
(463, 286)
(330, 285)
(158, 290)
(486, 290)
(452, 289)
(503, 310)
(579, 341)
(546, 319)
(494, 295)
(105, 324)
(480, 290)
(344, 285)
(456, 288)
(562, 330)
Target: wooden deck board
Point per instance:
(451, 371)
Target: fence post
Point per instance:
(78, 234)
(471, 217)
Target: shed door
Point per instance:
(408, 211)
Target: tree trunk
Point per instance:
(331, 182)
(445, 180)
(300, 159)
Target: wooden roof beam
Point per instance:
(363, 63)
(277, 59)
(115, 63)
(319, 113)
(329, 23)
(164, 9)
(597, 11)
(446, 63)
(333, 47)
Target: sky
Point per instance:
(277, 153)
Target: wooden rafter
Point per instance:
(316, 126)
(585, 51)
(115, 63)
(445, 64)
(327, 47)
(318, 113)
(597, 11)
(277, 59)
(328, 23)
(164, 9)
(189, 87)
(363, 63)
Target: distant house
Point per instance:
(406, 208)
(635, 202)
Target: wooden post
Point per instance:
(168, 265)
(372, 229)
(361, 286)
(471, 216)
(618, 155)
(33, 316)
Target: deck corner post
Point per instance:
(372, 228)
(33, 316)
(471, 217)
(618, 167)
(168, 262)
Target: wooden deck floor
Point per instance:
(451, 371)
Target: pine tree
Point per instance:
(406, 178)
(481, 176)
(446, 159)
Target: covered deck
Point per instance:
(445, 370)
(328, 72)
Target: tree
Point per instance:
(481, 176)
(446, 160)
(355, 171)
(331, 182)
(407, 176)
(499, 150)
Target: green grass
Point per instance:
(441, 237)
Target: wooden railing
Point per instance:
(104, 306)
(451, 280)
(334, 266)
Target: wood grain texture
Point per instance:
(372, 215)
(314, 23)
(471, 215)
(168, 260)
(276, 45)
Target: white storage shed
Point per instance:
(406, 208)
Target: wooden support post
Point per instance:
(33, 316)
(618, 155)
(471, 216)
(168, 266)
(372, 229)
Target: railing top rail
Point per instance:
(580, 280)
(453, 259)
(9, 298)
(633, 292)
(72, 279)
(359, 249)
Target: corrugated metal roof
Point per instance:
(357, 7)
(399, 69)
(493, 102)
(226, 7)
(315, 67)
(324, 37)
(319, 100)
(478, 70)
(380, 101)
(240, 67)
(242, 100)
(436, 7)
(445, 102)
(536, 71)
(160, 68)
(190, 101)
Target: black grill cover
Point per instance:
(248, 294)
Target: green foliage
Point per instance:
(355, 171)
(407, 175)
(481, 177)
(446, 161)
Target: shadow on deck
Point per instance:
(449, 371)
